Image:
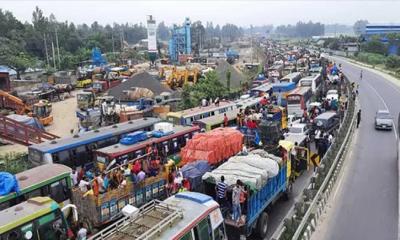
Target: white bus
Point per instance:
(184, 216)
(313, 81)
(291, 77)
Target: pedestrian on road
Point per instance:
(358, 117)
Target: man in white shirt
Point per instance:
(74, 177)
(82, 233)
(83, 184)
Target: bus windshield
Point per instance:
(293, 99)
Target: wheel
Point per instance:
(288, 192)
(262, 225)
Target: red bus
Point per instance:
(298, 99)
(166, 145)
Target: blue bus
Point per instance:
(77, 150)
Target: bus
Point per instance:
(167, 145)
(313, 81)
(188, 116)
(184, 216)
(37, 218)
(291, 77)
(298, 100)
(52, 180)
(260, 90)
(218, 120)
(77, 150)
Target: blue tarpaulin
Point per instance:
(8, 183)
(194, 171)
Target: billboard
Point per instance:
(151, 34)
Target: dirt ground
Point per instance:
(64, 120)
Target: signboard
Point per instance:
(151, 34)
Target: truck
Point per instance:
(261, 194)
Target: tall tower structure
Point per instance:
(180, 42)
(152, 38)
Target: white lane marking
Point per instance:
(386, 106)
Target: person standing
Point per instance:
(82, 233)
(225, 120)
(221, 192)
(358, 117)
(236, 202)
(74, 177)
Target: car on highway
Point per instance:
(297, 133)
(326, 121)
(383, 120)
(332, 94)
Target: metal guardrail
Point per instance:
(302, 218)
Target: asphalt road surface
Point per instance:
(365, 205)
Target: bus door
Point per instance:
(165, 148)
(175, 145)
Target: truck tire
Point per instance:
(262, 225)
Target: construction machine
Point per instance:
(85, 100)
(42, 110)
(178, 77)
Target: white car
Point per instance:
(332, 94)
(297, 133)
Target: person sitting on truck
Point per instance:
(243, 196)
(95, 187)
(100, 181)
(113, 180)
(236, 209)
(221, 192)
(136, 167)
(154, 167)
(83, 184)
(149, 151)
(141, 176)
(186, 184)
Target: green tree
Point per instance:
(392, 61)
(374, 46)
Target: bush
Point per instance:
(14, 162)
(392, 62)
(371, 58)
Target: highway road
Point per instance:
(365, 204)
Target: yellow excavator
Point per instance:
(179, 77)
(42, 110)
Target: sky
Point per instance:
(242, 13)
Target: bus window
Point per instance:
(58, 191)
(81, 154)
(187, 236)
(63, 157)
(49, 226)
(13, 235)
(203, 230)
(34, 193)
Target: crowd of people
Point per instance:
(94, 183)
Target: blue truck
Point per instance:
(256, 205)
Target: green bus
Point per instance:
(52, 180)
(37, 218)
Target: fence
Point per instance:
(304, 216)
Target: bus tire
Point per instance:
(262, 225)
